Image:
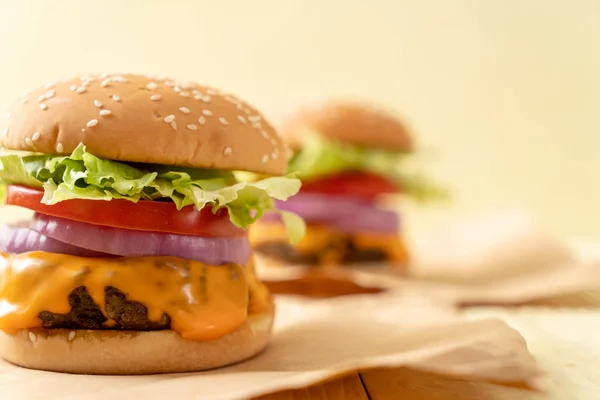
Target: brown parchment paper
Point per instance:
(499, 258)
(314, 341)
(536, 285)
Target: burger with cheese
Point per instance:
(349, 155)
(137, 258)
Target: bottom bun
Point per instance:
(131, 353)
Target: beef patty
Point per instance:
(122, 314)
(348, 253)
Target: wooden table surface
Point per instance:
(565, 351)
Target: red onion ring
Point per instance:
(343, 213)
(20, 238)
(131, 243)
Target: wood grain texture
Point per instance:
(407, 384)
(578, 300)
(349, 387)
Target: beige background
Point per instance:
(507, 92)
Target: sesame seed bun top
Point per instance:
(355, 123)
(145, 119)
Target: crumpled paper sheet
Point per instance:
(488, 247)
(497, 258)
(314, 341)
(501, 258)
(540, 284)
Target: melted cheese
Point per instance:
(203, 301)
(329, 243)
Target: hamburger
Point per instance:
(349, 156)
(136, 259)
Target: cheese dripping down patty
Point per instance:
(204, 302)
(323, 245)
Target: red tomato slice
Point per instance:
(354, 184)
(144, 215)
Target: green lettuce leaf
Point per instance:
(320, 157)
(14, 169)
(85, 176)
(294, 225)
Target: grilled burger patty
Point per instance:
(86, 314)
(347, 253)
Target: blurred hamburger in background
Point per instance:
(349, 155)
(136, 258)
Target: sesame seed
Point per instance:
(92, 122)
(59, 147)
(264, 134)
(6, 131)
(174, 125)
(206, 99)
(51, 94)
(201, 120)
(98, 103)
(73, 88)
(119, 79)
(185, 94)
(208, 113)
(29, 141)
(264, 159)
(232, 99)
(289, 153)
(44, 107)
(155, 97)
(35, 136)
(184, 110)
(71, 336)
(198, 97)
(103, 75)
(195, 91)
(242, 119)
(192, 127)
(274, 156)
(177, 89)
(239, 106)
(223, 121)
(227, 151)
(116, 98)
(41, 98)
(105, 83)
(152, 86)
(32, 337)
(81, 90)
(24, 101)
(169, 118)
(50, 85)
(104, 113)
